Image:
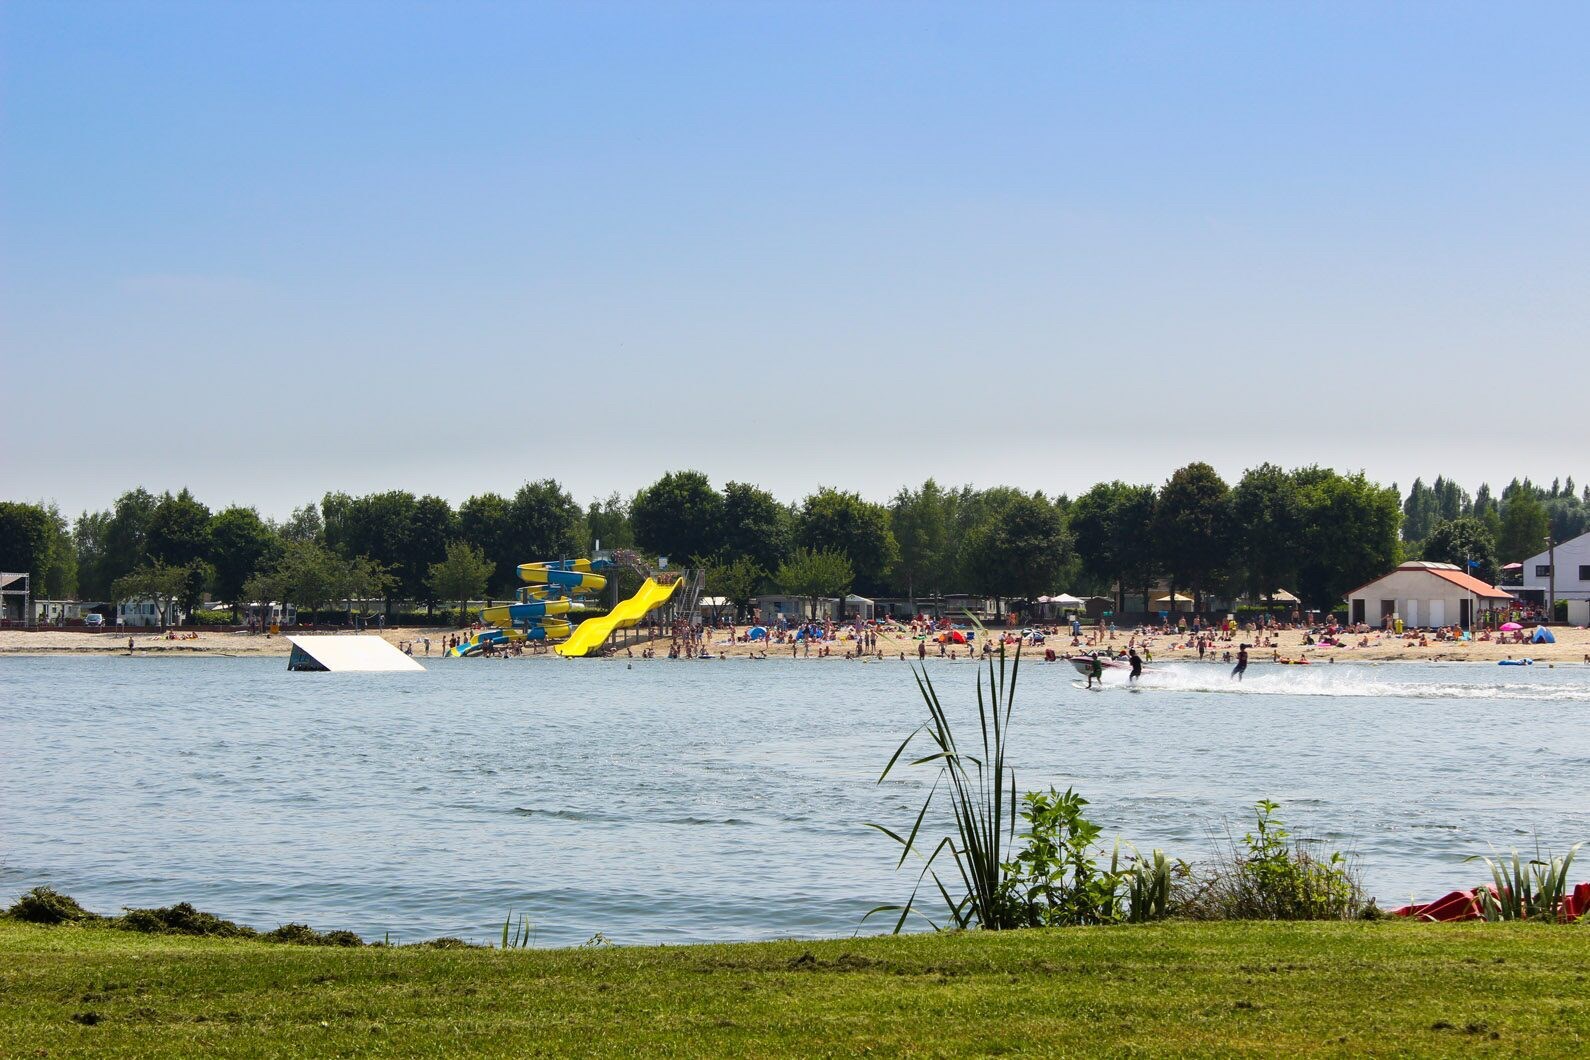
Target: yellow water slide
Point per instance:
(590, 635)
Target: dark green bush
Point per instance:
(180, 919)
(44, 905)
(1271, 876)
(304, 935)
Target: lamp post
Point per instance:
(1551, 578)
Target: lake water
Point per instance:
(682, 801)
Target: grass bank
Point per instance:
(1183, 988)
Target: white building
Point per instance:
(716, 608)
(1422, 593)
(860, 607)
(57, 612)
(264, 614)
(147, 612)
(1573, 572)
(774, 606)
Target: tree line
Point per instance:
(1311, 530)
(1442, 521)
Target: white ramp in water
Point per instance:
(348, 655)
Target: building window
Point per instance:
(1584, 572)
(1543, 570)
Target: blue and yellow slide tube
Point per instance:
(546, 629)
(516, 614)
(576, 575)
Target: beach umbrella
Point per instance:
(1508, 627)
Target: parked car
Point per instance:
(94, 620)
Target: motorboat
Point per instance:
(1084, 663)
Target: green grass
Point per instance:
(1187, 989)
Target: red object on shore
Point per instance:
(1577, 904)
(1465, 905)
(1459, 905)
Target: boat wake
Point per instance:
(1349, 681)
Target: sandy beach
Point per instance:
(1572, 646)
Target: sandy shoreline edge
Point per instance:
(1572, 647)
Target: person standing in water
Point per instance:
(1242, 662)
(1137, 664)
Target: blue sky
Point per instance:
(265, 250)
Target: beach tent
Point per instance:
(757, 633)
(1066, 600)
(1542, 636)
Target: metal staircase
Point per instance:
(689, 600)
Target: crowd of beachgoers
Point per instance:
(919, 640)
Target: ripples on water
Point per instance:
(681, 801)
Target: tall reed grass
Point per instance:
(981, 792)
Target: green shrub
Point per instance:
(1531, 890)
(180, 919)
(304, 935)
(1271, 876)
(44, 905)
(1056, 878)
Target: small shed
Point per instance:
(859, 607)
